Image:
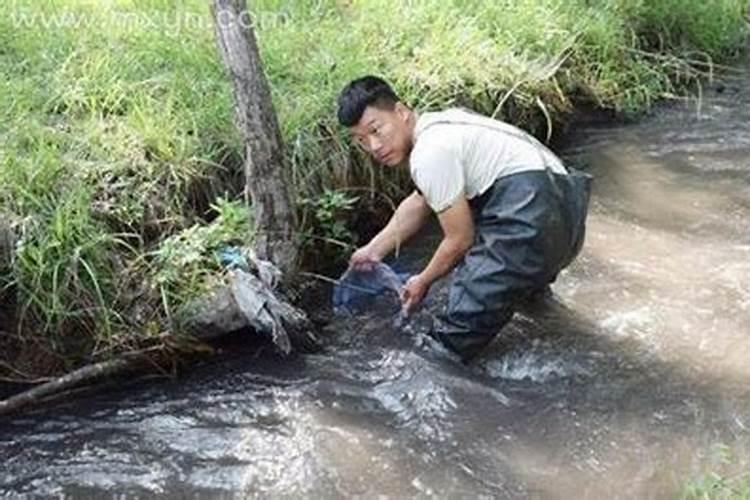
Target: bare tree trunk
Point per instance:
(266, 178)
(7, 295)
(7, 242)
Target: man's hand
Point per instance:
(413, 293)
(364, 258)
(458, 229)
(408, 218)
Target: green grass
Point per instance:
(117, 140)
(728, 479)
(713, 486)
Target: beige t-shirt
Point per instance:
(460, 153)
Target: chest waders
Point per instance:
(528, 227)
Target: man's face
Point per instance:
(385, 134)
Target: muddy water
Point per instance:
(633, 380)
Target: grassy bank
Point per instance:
(121, 171)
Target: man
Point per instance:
(511, 213)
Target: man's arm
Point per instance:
(408, 218)
(458, 237)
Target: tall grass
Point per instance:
(527, 61)
(117, 137)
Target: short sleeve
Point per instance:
(437, 172)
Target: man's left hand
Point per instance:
(413, 293)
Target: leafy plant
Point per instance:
(185, 264)
(330, 210)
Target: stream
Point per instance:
(632, 381)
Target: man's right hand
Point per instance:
(364, 258)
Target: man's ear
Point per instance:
(402, 111)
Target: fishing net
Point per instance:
(376, 291)
(360, 290)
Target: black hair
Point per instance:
(358, 94)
